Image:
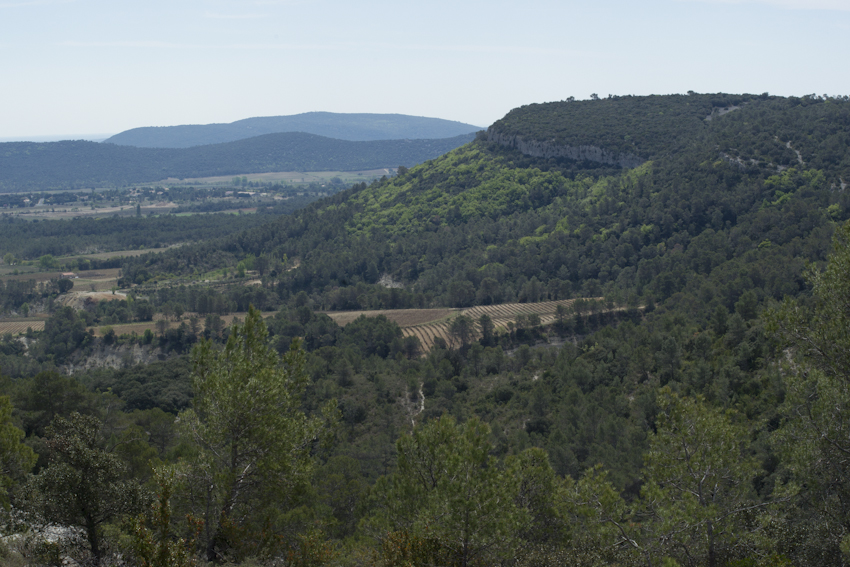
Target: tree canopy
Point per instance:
(252, 442)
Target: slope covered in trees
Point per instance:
(486, 223)
(645, 126)
(70, 164)
(351, 127)
(701, 423)
(773, 130)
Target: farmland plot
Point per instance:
(20, 326)
(501, 315)
(402, 317)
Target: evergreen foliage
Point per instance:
(16, 459)
(686, 417)
(75, 164)
(484, 223)
(251, 443)
(698, 482)
(646, 126)
(448, 489)
(32, 240)
(84, 485)
(813, 440)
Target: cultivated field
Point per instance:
(127, 329)
(86, 280)
(20, 326)
(500, 314)
(428, 324)
(96, 280)
(425, 324)
(504, 312)
(84, 277)
(402, 317)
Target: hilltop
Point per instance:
(351, 127)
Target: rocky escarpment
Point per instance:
(541, 149)
(116, 356)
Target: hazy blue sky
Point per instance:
(98, 66)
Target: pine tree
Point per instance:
(16, 459)
(251, 438)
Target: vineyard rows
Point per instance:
(409, 320)
(501, 315)
(20, 327)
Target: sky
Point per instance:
(87, 68)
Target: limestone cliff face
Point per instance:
(537, 148)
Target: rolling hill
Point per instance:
(351, 127)
(74, 164)
(711, 197)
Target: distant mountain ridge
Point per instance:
(350, 127)
(76, 164)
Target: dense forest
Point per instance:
(695, 415)
(351, 127)
(28, 166)
(653, 126)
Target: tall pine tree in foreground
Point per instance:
(815, 439)
(252, 441)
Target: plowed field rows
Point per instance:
(402, 317)
(500, 314)
(20, 327)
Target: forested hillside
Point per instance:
(351, 127)
(488, 223)
(642, 126)
(773, 131)
(75, 164)
(688, 408)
